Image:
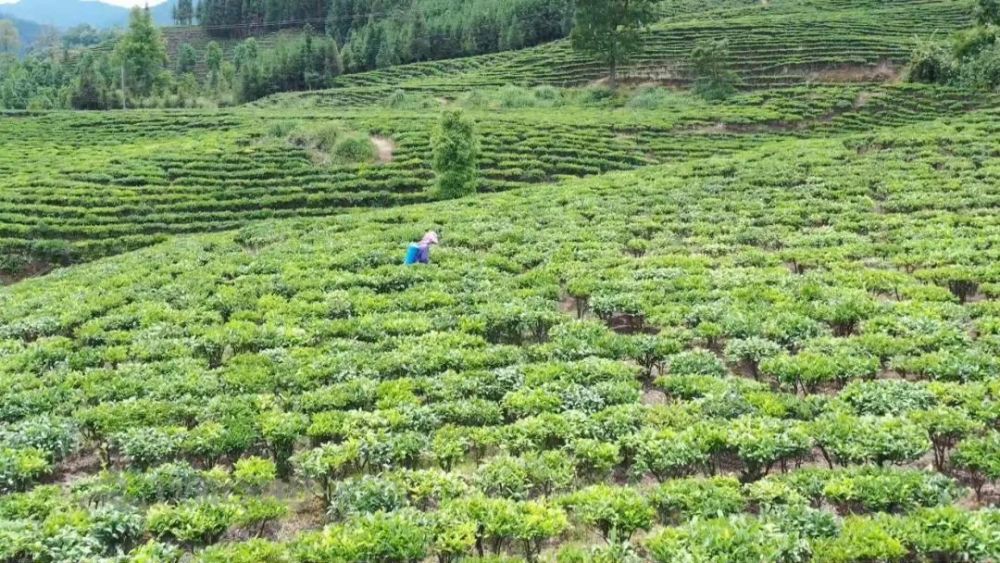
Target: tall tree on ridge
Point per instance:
(141, 52)
(611, 30)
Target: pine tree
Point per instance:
(142, 53)
(187, 60)
(420, 37)
(334, 62)
(213, 62)
(386, 55)
(184, 12)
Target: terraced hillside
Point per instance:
(774, 44)
(785, 353)
(85, 185)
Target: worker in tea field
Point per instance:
(420, 252)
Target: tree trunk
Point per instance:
(614, 72)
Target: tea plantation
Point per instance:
(764, 329)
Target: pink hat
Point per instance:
(430, 238)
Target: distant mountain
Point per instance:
(28, 31)
(68, 13)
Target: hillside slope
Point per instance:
(862, 270)
(83, 185)
(773, 44)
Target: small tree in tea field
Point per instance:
(456, 153)
(714, 79)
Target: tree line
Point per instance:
(381, 33)
(136, 70)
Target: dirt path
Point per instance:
(384, 147)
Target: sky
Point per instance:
(126, 3)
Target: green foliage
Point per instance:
(680, 500)
(881, 490)
(401, 536)
(846, 439)
(714, 80)
(253, 474)
(945, 426)
(611, 31)
(251, 551)
(187, 59)
(980, 458)
(932, 63)
(616, 512)
(860, 540)
(737, 538)
(456, 153)
(10, 38)
(192, 522)
(750, 352)
(19, 467)
(280, 430)
(142, 53)
(294, 63)
(366, 495)
(988, 12)
(885, 397)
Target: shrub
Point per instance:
(750, 352)
(666, 454)
(116, 529)
(945, 426)
(253, 474)
(503, 476)
(947, 533)
(21, 467)
(696, 362)
(169, 482)
(681, 499)
(255, 513)
(988, 12)
(860, 539)
(146, 447)
(354, 149)
(888, 490)
(192, 522)
(366, 495)
(981, 72)
(54, 436)
(595, 460)
(887, 396)
(979, 457)
(932, 63)
(846, 439)
(251, 551)
(402, 536)
(713, 79)
(810, 370)
(760, 443)
(456, 153)
(616, 512)
(281, 430)
(736, 538)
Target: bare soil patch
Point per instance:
(384, 148)
(884, 71)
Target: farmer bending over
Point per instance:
(420, 252)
